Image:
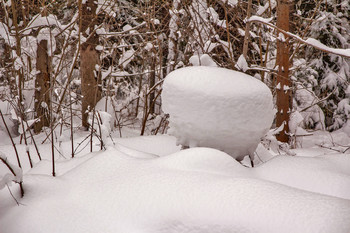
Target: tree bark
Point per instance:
(42, 87)
(247, 30)
(283, 82)
(89, 58)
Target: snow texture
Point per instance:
(218, 108)
(195, 190)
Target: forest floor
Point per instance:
(147, 184)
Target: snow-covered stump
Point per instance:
(217, 108)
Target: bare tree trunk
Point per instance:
(2, 12)
(19, 73)
(89, 58)
(283, 91)
(42, 87)
(247, 30)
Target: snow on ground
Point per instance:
(145, 184)
(218, 108)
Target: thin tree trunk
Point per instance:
(152, 81)
(247, 30)
(42, 87)
(19, 72)
(89, 58)
(283, 82)
(71, 122)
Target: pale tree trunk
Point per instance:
(42, 87)
(283, 82)
(89, 58)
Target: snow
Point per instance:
(126, 57)
(311, 112)
(106, 6)
(319, 45)
(6, 109)
(260, 19)
(48, 35)
(309, 41)
(214, 16)
(127, 28)
(145, 184)
(42, 21)
(5, 34)
(103, 124)
(242, 64)
(231, 2)
(99, 47)
(202, 60)
(148, 46)
(218, 108)
(295, 121)
(194, 190)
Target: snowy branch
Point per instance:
(318, 102)
(310, 41)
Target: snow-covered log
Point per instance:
(218, 108)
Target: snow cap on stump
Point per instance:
(218, 108)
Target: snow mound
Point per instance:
(202, 159)
(112, 192)
(217, 108)
(328, 174)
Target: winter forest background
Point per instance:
(68, 65)
(61, 57)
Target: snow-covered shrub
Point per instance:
(326, 75)
(342, 113)
(306, 105)
(103, 124)
(217, 107)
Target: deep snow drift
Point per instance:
(218, 108)
(143, 185)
